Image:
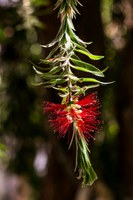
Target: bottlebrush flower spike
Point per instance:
(81, 116)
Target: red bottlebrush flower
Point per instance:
(83, 114)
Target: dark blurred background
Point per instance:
(35, 165)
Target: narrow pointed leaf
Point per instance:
(86, 170)
(86, 67)
(90, 55)
(40, 68)
(74, 78)
(60, 76)
(53, 71)
(63, 95)
(50, 44)
(75, 38)
(52, 52)
(37, 71)
(85, 88)
(37, 84)
(80, 46)
(45, 61)
(94, 81)
(55, 81)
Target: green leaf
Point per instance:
(86, 67)
(70, 23)
(54, 76)
(59, 81)
(90, 55)
(63, 95)
(89, 175)
(62, 89)
(53, 71)
(85, 88)
(75, 38)
(94, 81)
(52, 52)
(37, 84)
(86, 170)
(53, 82)
(51, 43)
(73, 77)
(46, 61)
(50, 83)
(37, 71)
(40, 68)
(81, 46)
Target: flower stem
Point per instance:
(69, 84)
(76, 154)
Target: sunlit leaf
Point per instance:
(52, 52)
(90, 55)
(86, 67)
(46, 61)
(86, 172)
(40, 68)
(85, 88)
(53, 82)
(74, 78)
(50, 44)
(75, 38)
(94, 81)
(37, 71)
(53, 71)
(63, 95)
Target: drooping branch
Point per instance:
(62, 62)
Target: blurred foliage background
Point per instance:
(33, 164)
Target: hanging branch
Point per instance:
(81, 114)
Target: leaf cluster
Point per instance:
(63, 60)
(86, 170)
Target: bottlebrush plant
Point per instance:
(77, 114)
